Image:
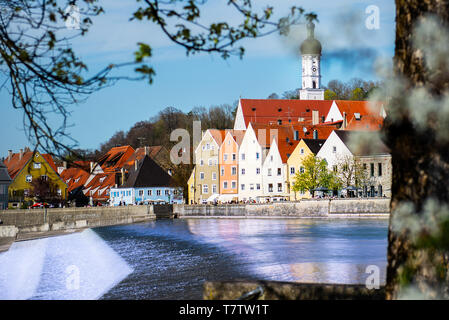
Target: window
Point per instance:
(234, 156)
(279, 187)
(214, 176)
(301, 151)
(257, 170)
(158, 192)
(380, 191)
(334, 168)
(270, 187)
(258, 186)
(210, 162)
(279, 171)
(225, 157)
(269, 172)
(36, 165)
(271, 158)
(243, 171)
(301, 169)
(205, 188)
(234, 171)
(140, 192)
(292, 170)
(214, 188)
(242, 186)
(380, 169)
(201, 175)
(234, 184)
(222, 171)
(201, 162)
(207, 146)
(29, 178)
(372, 170)
(334, 149)
(212, 147)
(225, 184)
(167, 192)
(257, 155)
(150, 193)
(251, 186)
(243, 156)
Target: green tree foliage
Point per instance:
(315, 175)
(330, 95)
(354, 89)
(351, 173)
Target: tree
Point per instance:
(415, 130)
(292, 94)
(44, 75)
(44, 190)
(273, 96)
(314, 175)
(350, 172)
(330, 95)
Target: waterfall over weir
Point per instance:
(76, 266)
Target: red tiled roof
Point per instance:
(218, 135)
(15, 163)
(362, 107)
(268, 111)
(98, 186)
(115, 158)
(365, 123)
(74, 177)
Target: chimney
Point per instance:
(315, 117)
(344, 121)
(21, 154)
(9, 154)
(147, 151)
(123, 176)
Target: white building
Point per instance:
(274, 174)
(250, 167)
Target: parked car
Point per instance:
(40, 205)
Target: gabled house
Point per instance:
(76, 178)
(147, 183)
(303, 149)
(26, 166)
(5, 181)
(207, 167)
(273, 175)
(228, 165)
(373, 155)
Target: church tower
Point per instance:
(311, 67)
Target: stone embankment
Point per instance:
(338, 208)
(37, 223)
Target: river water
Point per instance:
(171, 259)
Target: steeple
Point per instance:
(311, 66)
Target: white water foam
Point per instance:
(76, 266)
(20, 269)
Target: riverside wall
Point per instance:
(338, 208)
(57, 219)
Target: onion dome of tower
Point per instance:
(311, 45)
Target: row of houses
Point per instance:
(258, 159)
(103, 182)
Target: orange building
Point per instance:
(228, 162)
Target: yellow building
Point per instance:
(24, 168)
(304, 148)
(191, 188)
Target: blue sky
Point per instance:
(271, 65)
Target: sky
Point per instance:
(271, 65)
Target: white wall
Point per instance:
(273, 161)
(250, 146)
(327, 150)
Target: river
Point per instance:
(171, 259)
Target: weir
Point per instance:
(76, 266)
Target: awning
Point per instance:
(227, 197)
(213, 197)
